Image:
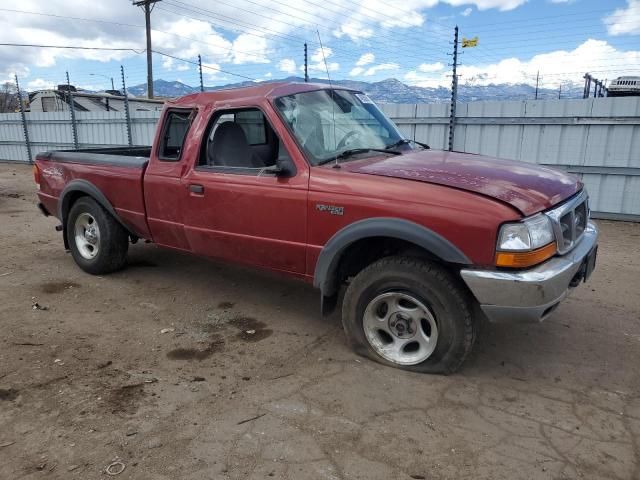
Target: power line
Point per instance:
(130, 25)
(263, 30)
(204, 66)
(529, 19)
(138, 52)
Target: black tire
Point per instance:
(112, 243)
(430, 284)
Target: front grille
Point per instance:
(569, 221)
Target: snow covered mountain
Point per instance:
(390, 90)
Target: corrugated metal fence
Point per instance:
(596, 138)
(53, 130)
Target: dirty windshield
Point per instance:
(329, 122)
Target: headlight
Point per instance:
(525, 243)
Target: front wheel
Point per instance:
(98, 242)
(409, 313)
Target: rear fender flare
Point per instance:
(90, 190)
(325, 276)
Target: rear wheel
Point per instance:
(98, 242)
(409, 313)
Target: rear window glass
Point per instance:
(175, 131)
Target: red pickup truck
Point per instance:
(317, 183)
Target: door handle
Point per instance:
(195, 188)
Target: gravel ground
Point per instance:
(153, 367)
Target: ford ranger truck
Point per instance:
(314, 182)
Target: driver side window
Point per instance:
(240, 141)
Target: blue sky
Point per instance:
(363, 40)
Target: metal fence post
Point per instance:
(200, 70)
(27, 143)
(454, 92)
(126, 108)
(74, 126)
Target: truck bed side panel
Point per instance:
(121, 185)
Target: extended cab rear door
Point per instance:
(164, 192)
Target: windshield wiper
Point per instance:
(404, 141)
(355, 151)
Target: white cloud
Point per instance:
(624, 21)
(40, 84)
(595, 56)
(249, 49)
(170, 64)
(466, 12)
(211, 70)
(320, 54)
(502, 5)
(381, 67)
(354, 29)
(430, 67)
(287, 65)
(365, 59)
(222, 43)
(317, 63)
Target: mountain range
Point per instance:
(390, 90)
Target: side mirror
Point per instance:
(282, 168)
(272, 170)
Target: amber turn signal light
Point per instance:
(525, 259)
(36, 174)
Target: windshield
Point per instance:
(329, 122)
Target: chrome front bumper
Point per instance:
(530, 295)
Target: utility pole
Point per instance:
(454, 91)
(200, 69)
(559, 91)
(537, 82)
(147, 6)
(306, 66)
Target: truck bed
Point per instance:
(133, 157)
(117, 172)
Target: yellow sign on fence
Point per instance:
(469, 42)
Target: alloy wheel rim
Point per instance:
(87, 235)
(400, 328)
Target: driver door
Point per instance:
(234, 209)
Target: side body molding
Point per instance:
(329, 259)
(91, 190)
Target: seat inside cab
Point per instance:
(241, 139)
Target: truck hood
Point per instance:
(527, 187)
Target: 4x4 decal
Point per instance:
(332, 209)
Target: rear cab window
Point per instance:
(174, 133)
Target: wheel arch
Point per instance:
(327, 276)
(77, 189)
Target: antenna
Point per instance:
(333, 103)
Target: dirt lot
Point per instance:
(90, 378)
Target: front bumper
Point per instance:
(531, 295)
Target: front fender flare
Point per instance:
(325, 276)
